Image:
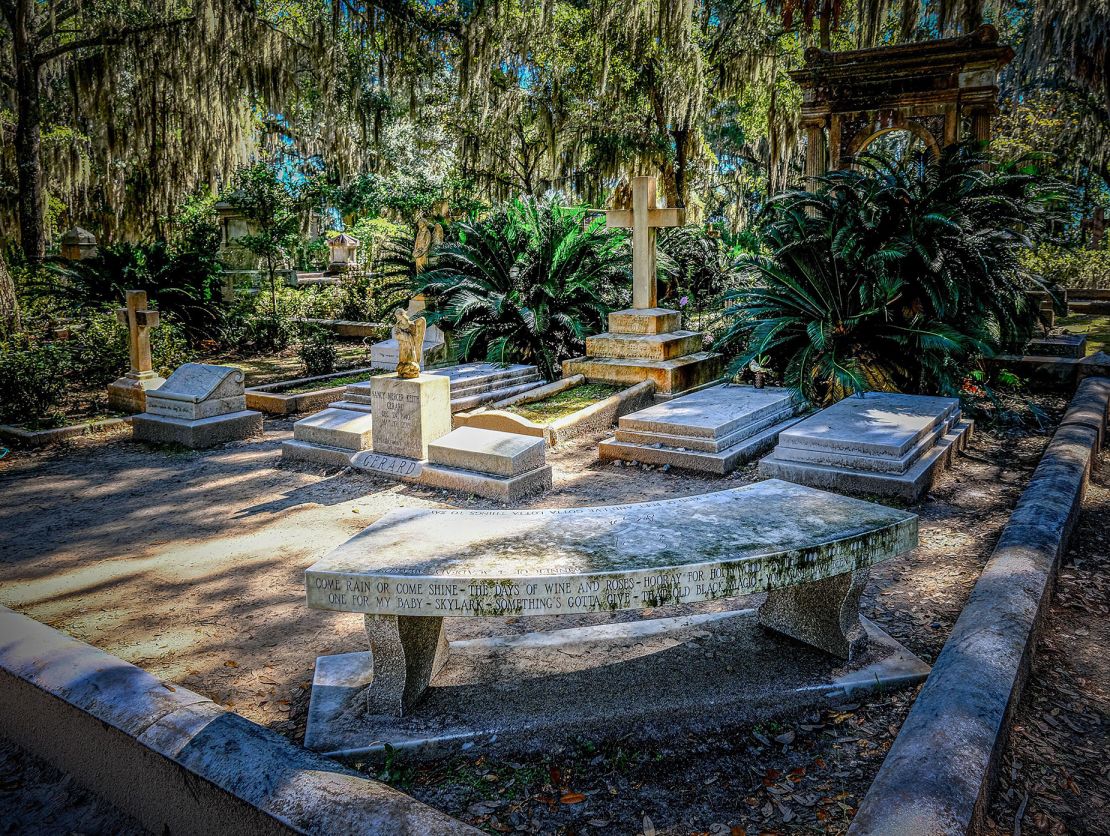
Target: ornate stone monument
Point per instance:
(199, 406)
(645, 342)
(128, 394)
(78, 244)
(344, 253)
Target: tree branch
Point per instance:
(108, 38)
(59, 17)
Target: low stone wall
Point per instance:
(349, 328)
(41, 438)
(272, 398)
(173, 760)
(941, 770)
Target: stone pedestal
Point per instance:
(647, 344)
(409, 413)
(128, 394)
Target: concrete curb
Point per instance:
(173, 760)
(940, 772)
(42, 438)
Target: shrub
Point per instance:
(1070, 268)
(528, 283)
(32, 382)
(893, 273)
(318, 353)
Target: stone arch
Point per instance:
(863, 139)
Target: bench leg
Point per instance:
(407, 652)
(824, 613)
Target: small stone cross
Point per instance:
(139, 321)
(643, 219)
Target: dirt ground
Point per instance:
(1055, 775)
(190, 564)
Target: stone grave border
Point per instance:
(174, 760)
(593, 418)
(1060, 373)
(104, 428)
(271, 399)
(940, 772)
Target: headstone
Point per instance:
(645, 342)
(713, 430)
(1061, 345)
(409, 413)
(128, 393)
(330, 437)
(78, 244)
(199, 406)
(880, 443)
(344, 253)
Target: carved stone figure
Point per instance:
(409, 334)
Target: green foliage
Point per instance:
(318, 352)
(248, 329)
(892, 273)
(527, 284)
(696, 271)
(1069, 267)
(262, 198)
(32, 381)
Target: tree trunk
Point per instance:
(28, 140)
(9, 303)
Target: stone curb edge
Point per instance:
(174, 760)
(941, 769)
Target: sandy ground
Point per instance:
(190, 564)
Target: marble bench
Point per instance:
(809, 549)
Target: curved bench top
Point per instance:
(422, 562)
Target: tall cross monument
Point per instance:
(128, 394)
(646, 342)
(644, 218)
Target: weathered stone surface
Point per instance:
(342, 428)
(198, 434)
(519, 694)
(404, 652)
(644, 346)
(719, 463)
(712, 430)
(1063, 345)
(824, 613)
(409, 413)
(472, 384)
(503, 421)
(384, 355)
(577, 560)
(172, 759)
(487, 451)
(196, 382)
(876, 423)
(128, 393)
(398, 467)
(712, 413)
(879, 443)
(501, 488)
(644, 321)
(938, 774)
(909, 486)
(318, 454)
(191, 411)
(669, 376)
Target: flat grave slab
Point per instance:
(882, 443)
(713, 430)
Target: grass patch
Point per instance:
(1095, 326)
(564, 403)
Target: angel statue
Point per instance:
(409, 334)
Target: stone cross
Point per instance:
(139, 321)
(643, 219)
